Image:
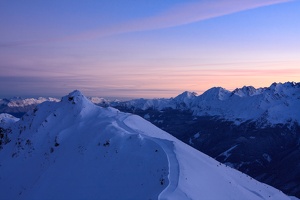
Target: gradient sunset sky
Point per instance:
(146, 48)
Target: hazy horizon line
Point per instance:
(126, 98)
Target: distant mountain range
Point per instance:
(277, 104)
(256, 131)
(18, 106)
(73, 149)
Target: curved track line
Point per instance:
(168, 148)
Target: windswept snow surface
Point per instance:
(74, 149)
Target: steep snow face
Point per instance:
(76, 150)
(6, 120)
(215, 93)
(186, 98)
(247, 91)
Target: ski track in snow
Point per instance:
(168, 148)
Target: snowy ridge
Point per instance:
(277, 104)
(144, 104)
(274, 105)
(102, 101)
(186, 98)
(247, 91)
(73, 149)
(182, 101)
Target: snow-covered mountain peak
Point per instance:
(20, 102)
(19, 106)
(215, 93)
(247, 91)
(76, 97)
(76, 94)
(186, 97)
(277, 104)
(284, 87)
(6, 120)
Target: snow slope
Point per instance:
(74, 149)
(6, 120)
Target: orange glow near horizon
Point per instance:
(147, 50)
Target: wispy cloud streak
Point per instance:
(176, 16)
(180, 15)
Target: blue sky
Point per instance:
(144, 48)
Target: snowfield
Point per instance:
(73, 149)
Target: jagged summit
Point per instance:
(247, 91)
(78, 102)
(186, 94)
(286, 84)
(284, 88)
(215, 93)
(74, 97)
(185, 98)
(6, 120)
